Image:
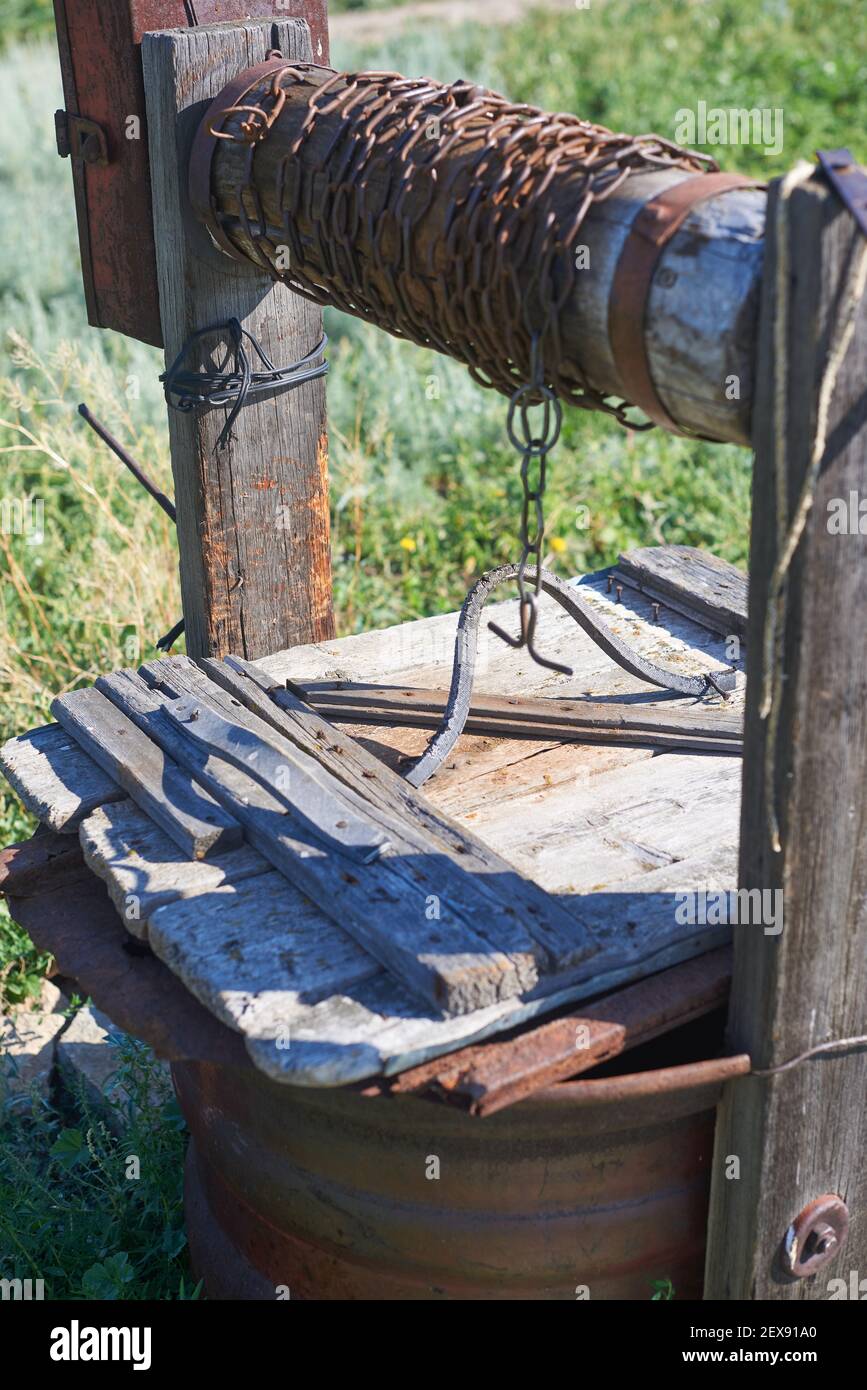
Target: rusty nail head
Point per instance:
(815, 1236)
(619, 591)
(654, 608)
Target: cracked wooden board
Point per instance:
(645, 815)
(144, 869)
(444, 923)
(315, 1010)
(176, 801)
(56, 781)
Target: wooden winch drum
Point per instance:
(664, 313)
(593, 1188)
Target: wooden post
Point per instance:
(800, 1133)
(253, 523)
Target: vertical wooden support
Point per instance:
(253, 525)
(800, 1133)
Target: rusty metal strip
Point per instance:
(849, 181)
(651, 231)
(487, 1077)
(569, 598)
(43, 862)
(565, 721)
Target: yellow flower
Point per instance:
(557, 544)
(407, 543)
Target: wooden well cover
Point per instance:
(100, 58)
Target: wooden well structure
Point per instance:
(698, 282)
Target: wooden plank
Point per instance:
(144, 869)
(802, 1132)
(333, 821)
(445, 958)
(486, 1079)
(253, 523)
(359, 1022)
(548, 930)
(55, 780)
(693, 582)
(177, 803)
(708, 730)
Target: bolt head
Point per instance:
(816, 1235)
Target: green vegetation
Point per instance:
(424, 486)
(95, 1209)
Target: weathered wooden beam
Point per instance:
(172, 798)
(253, 523)
(378, 253)
(56, 780)
(444, 925)
(801, 1132)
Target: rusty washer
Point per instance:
(816, 1235)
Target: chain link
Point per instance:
(534, 446)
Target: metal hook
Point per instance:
(529, 614)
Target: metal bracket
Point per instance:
(849, 181)
(80, 138)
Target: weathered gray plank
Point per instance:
(546, 921)
(390, 904)
(170, 796)
(802, 1132)
(315, 1010)
(253, 520)
(144, 869)
(525, 919)
(55, 780)
(691, 581)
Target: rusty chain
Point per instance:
(378, 171)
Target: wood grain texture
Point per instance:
(143, 868)
(56, 781)
(253, 522)
(470, 883)
(643, 828)
(467, 957)
(803, 1132)
(695, 583)
(179, 804)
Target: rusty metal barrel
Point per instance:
(593, 1188)
(447, 215)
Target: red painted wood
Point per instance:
(99, 43)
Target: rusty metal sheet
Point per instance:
(488, 1077)
(100, 58)
(601, 1183)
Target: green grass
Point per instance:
(96, 1210)
(425, 491)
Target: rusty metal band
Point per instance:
(651, 231)
(360, 161)
(204, 145)
(466, 645)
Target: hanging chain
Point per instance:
(534, 449)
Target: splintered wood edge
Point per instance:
(55, 779)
